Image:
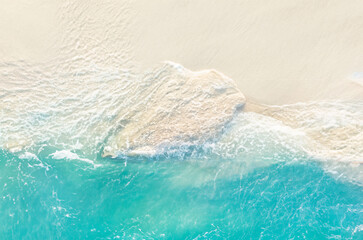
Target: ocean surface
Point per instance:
(171, 198)
(273, 172)
(295, 175)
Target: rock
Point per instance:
(175, 107)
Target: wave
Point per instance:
(168, 110)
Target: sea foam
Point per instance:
(166, 110)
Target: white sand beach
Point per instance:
(278, 52)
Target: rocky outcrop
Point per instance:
(176, 107)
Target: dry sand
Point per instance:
(278, 51)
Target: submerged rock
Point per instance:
(175, 107)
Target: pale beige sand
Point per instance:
(278, 51)
(28, 30)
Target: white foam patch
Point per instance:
(64, 154)
(28, 156)
(67, 154)
(31, 156)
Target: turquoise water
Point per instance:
(295, 175)
(277, 172)
(171, 197)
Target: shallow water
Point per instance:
(166, 198)
(284, 172)
(293, 171)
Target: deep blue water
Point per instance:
(168, 198)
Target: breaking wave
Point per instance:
(83, 113)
